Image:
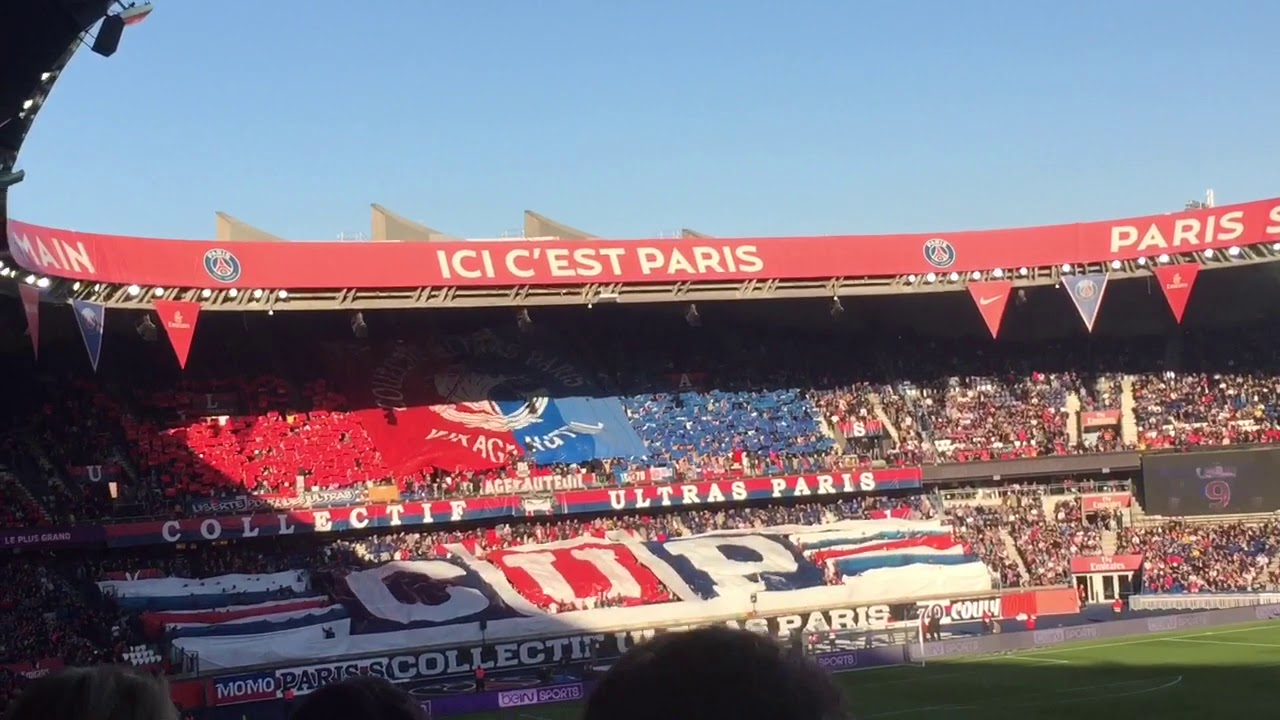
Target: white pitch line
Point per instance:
(1042, 702)
(1098, 646)
(1224, 642)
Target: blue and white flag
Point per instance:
(90, 316)
(1086, 292)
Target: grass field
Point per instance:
(1230, 672)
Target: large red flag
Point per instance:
(1177, 281)
(991, 297)
(179, 320)
(31, 306)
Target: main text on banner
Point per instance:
(266, 524)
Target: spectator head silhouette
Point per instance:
(713, 673)
(358, 698)
(105, 692)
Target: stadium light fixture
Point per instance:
(233, 293)
(43, 283)
(1208, 253)
(1163, 259)
(1142, 261)
(1275, 246)
(134, 291)
(30, 279)
(97, 287)
(1066, 268)
(911, 279)
(270, 311)
(975, 275)
(1115, 264)
(76, 286)
(1234, 251)
(257, 294)
(1023, 271)
(837, 309)
(206, 294)
(931, 278)
(27, 104)
(158, 292)
(954, 277)
(997, 273)
(282, 294)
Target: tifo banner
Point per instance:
(206, 264)
(51, 537)
(30, 295)
(1083, 564)
(1093, 419)
(1176, 281)
(560, 588)
(287, 522)
(1105, 501)
(1086, 293)
(178, 317)
(991, 297)
(90, 317)
(476, 402)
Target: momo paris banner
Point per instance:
(475, 402)
(320, 265)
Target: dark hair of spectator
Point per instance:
(714, 673)
(105, 692)
(358, 698)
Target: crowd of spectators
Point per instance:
(1188, 409)
(1224, 557)
(46, 614)
(985, 418)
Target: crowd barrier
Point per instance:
(1202, 601)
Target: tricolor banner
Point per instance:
(179, 320)
(1086, 292)
(1176, 281)
(991, 297)
(90, 317)
(31, 307)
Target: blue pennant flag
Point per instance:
(1086, 292)
(89, 316)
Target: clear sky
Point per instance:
(629, 119)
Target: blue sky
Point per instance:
(631, 119)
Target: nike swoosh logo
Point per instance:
(988, 301)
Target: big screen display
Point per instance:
(1211, 483)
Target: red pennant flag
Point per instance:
(1177, 281)
(991, 297)
(179, 320)
(31, 306)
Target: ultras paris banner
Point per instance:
(477, 401)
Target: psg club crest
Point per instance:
(939, 253)
(222, 266)
(1086, 289)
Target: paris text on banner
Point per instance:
(207, 264)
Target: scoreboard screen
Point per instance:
(1211, 483)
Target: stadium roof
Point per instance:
(541, 226)
(230, 229)
(391, 227)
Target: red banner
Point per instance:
(201, 264)
(32, 670)
(31, 307)
(1177, 281)
(1091, 419)
(179, 320)
(1106, 501)
(991, 298)
(1084, 564)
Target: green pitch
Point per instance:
(1224, 673)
